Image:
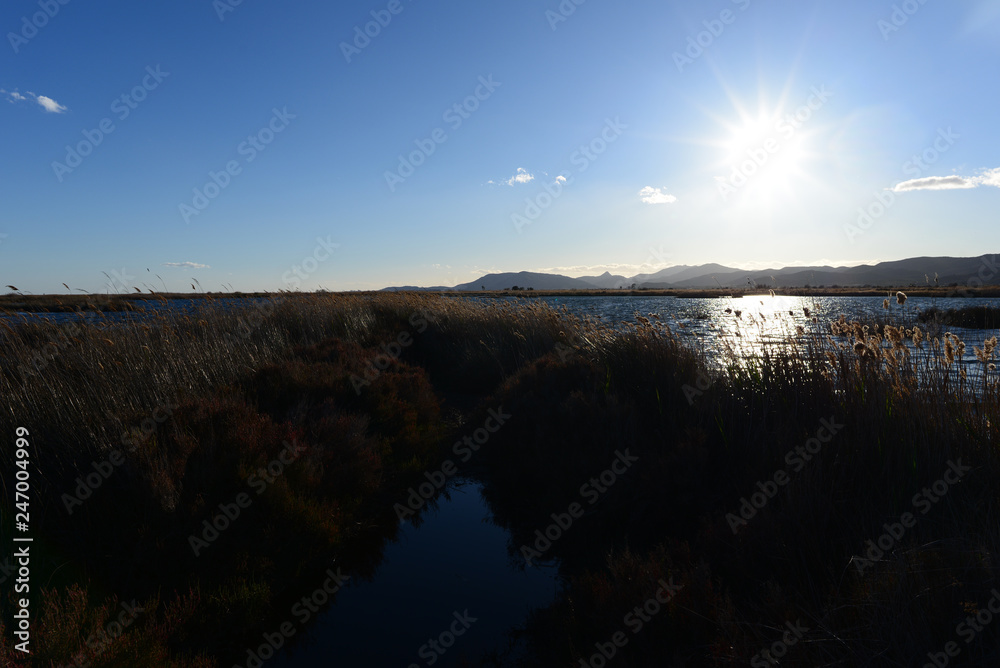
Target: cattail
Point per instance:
(885, 304)
(900, 298)
(989, 345)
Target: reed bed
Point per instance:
(707, 424)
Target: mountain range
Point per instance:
(918, 271)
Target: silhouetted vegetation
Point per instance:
(970, 317)
(370, 390)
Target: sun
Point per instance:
(763, 159)
(767, 157)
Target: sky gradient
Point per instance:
(268, 146)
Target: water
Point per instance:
(452, 568)
(769, 318)
(455, 566)
(765, 319)
(146, 309)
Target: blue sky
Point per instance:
(591, 137)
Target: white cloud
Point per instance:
(651, 195)
(561, 179)
(935, 183)
(988, 177)
(521, 177)
(45, 102)
(50, 105)
(186, 265)
(578, 270)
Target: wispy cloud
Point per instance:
(50, 105)
(186, 265)
(989, 177)
(575, 271)
(935, 183)
(651, 195)
(44, 101)
(520, 177)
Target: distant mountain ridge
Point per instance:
(919, 271)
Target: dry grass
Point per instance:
(706, 424)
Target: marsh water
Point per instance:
(444, 592)
(453, 570)
(762, 316)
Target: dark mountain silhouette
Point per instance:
(525, 279)
(608, 280)
(919, 271)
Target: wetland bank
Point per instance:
(705, 423)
